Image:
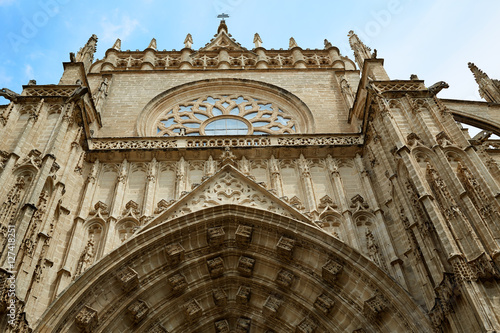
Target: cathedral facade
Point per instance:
(228, 189)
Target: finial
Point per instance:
(327, 44)
(222, 25)
(488, 89)
(292, 43)
(86, 53)
(117, 45)
(188, 42)
(361, 51)
(374, 54)
(152, 44)
(257, 40)
(478, 74)
(414, 77)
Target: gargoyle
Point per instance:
(437, 87)
(482, 136)
(77, 94)
(9, 94)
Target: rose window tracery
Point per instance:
(237, 114)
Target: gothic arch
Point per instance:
(146, 122)
(232, 265)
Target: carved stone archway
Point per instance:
(231, 268)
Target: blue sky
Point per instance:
(433, 39)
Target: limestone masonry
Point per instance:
(236, 190)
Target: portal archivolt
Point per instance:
(230, 268)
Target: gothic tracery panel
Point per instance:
(234, 114)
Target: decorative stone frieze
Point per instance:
(215, 236)
(86, 320)
(215, 267)
(331, 271)
(243, 235)
(285, 247)
(177, 283)
(243, 295)
(245, 266)
(175, 254)
(129, 279)
(138, 310)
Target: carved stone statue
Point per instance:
(257, 41)
(9, 94)
(188, 42)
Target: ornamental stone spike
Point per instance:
(361, 51)
(257, 40)
(188, 42)
(152, 44)
(488, 89)
(292, 43)
(117, 45)
(327, 44)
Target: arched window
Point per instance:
(225, 115)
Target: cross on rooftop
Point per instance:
(223, 16)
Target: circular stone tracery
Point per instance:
(236, 114)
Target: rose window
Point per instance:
(225, 115)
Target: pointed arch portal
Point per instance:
(231, 268)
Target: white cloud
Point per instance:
(117, 28)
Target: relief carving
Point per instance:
(175, 254)
(177, 283)
(129, 279)
(285, 278)
(285, 247)
(86, 320)
(222, 326)
(324, 304)
(220, 297)
(331, 271)
(243, 295)
(245, 266)
(138, 310)
(272, 305)
(243, 235)
(215, 267)
(215, 236)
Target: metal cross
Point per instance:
(222, 16)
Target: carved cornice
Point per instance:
(223, 141)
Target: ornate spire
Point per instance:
(86, 53)
(117, 45)
(361, 51)
(188, 42)
(327, 44)
(488, 89)
(257, 40)
(152, 44)
(292, 43)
